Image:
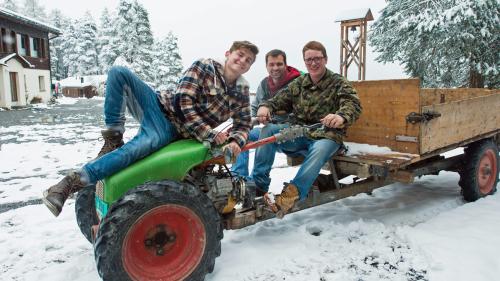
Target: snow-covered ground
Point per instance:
(421, 231)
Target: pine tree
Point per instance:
(107, 41)
(10, 5)
(71, 48)
(86, 30)
(57, 19)
(135, 39)
(167, 64)
(34, 10)
(447, 43)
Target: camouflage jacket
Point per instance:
(309, 103)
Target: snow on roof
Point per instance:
(76, 81)
(5, 59)
(354, 15)
(30, 21)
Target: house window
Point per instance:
(22, 47)
(41, 83)
(35, 47)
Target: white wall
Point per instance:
(32, 84)
(13, 66)
(28, 84)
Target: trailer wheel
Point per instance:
(159, 231)
(86, 215)
(479, 175)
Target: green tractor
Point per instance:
(162, 218)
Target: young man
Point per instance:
(207, 95)
(280, 75)
(320, 96)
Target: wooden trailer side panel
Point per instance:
(386, 103)
(437, 96)
(459, 121)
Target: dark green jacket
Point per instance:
(309, 103)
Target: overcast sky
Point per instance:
(207, 28)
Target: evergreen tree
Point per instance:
(71, 49)
(34, 10)
(86, 46)
(57, 19)
(10, 5)
(134, 38)
(447, 43)
(107, 41)
(167, 64)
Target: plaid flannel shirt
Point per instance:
(203, 101)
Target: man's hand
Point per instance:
(263, 115)
(333, 121)
(234, 148)
(220, 138)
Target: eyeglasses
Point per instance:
(309, 61)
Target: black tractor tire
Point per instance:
(479, 173)
(86, 215)
(163, 230)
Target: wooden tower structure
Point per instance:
(353, 49)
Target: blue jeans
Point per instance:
(240, 167)
(125, 89)
(316, 152)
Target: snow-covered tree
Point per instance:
(167, 63)
(57, 19)
(107, 41)
(34, 10)
(11, 5)
(447, 43)
(86, 30)
(135, 39)
(71, 48)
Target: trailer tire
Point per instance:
(159, 231)
(86, 215)
(479, 175)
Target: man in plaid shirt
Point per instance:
(208, 94)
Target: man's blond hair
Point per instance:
(246, 45)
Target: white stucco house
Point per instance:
(24, 59)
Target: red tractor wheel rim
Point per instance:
(165, 243)
(487, 171)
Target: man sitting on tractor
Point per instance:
(208, 94)
(318, 96)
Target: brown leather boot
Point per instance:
(112, 140)
(286, 200)
(56, 195)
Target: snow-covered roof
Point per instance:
(4, 60)
(30, 21)
(76, 81)
(354, 15)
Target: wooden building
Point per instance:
(87, 91)
(81, 86)
(24, 59)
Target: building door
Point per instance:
(13, 86)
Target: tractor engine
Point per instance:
(222, 187)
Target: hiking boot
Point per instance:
(112, 140)
(286, 200)
(281, 204)
(56, 195)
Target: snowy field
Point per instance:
(422, 231)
